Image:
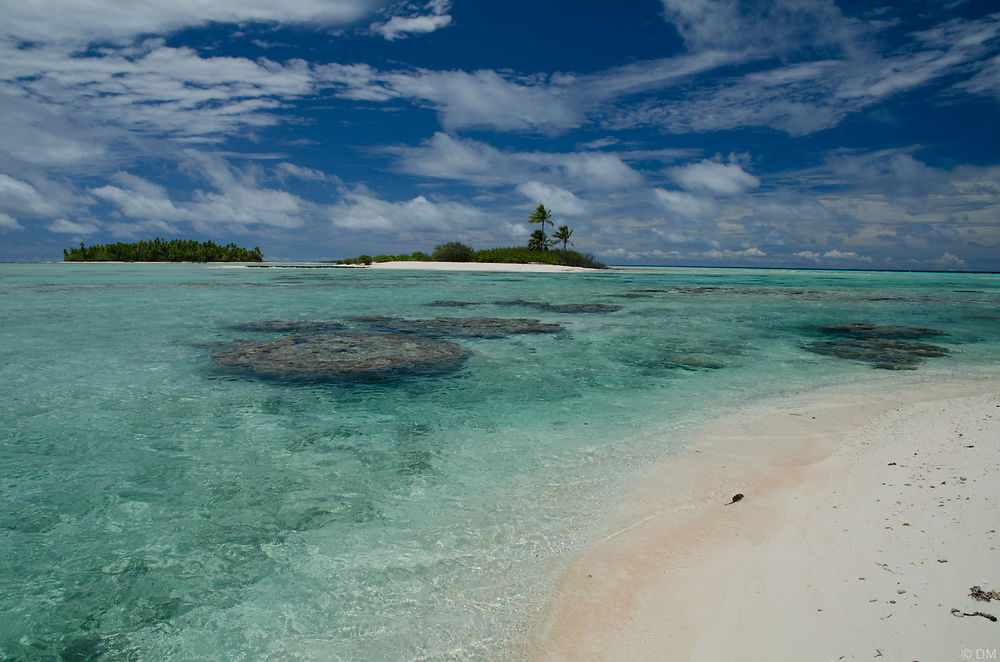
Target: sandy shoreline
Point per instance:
(869, 513)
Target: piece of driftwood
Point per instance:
(959, 613)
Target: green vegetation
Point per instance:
(539, 241)
(415, 256)
(563, 234)
(161, 250)
(523, 255)
(453, 251)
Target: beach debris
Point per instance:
(562, 307)
(460, 327)
(958, 613)
(736, 497)
(978, 593)
(289, 326)
(340, 356)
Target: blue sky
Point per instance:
(784, 133)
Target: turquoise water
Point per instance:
(157, 508)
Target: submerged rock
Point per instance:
(341, 355)
(885, 353)
(462, 327)
(563, 307)
(453, 304)
(288, 326)
(864, 330)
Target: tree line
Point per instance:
(161, 250)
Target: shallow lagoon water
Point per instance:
(157, 508)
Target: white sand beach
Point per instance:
(868, 515)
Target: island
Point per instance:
(161, 250)
(541, 249)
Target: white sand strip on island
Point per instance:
(869, 513)
(479, 266)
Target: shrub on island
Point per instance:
(457, 252)
(416, 256)
(161, 250)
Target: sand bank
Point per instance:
(868, 514)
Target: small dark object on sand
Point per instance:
(960, 613)
(978, 593)
(736, 497)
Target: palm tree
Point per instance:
(563, 234)
(538, 241)
(543, 216)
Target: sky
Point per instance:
(778, 133)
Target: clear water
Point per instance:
(154, 508)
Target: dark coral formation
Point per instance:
(864, 330)
(289, 326)
(341, 356)
(563, 307)
(461, 327)
(888, 347)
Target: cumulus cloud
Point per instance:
(949, 262)
(554, 197)
(718, 254)
(361, 210)
(9, 223)
(714, 177)
(70, 227)
(685, 205)
(236, 198)
(408, 20)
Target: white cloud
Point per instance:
(237, 198)
(462, 99)
(769, 26)
(398, 26)
(718, 254)
(21, 199)
(949, 262)
(69, 227)
(112, 20)
(836, 254)
(139, 198)
(155, 89)
(360, 210)
(714, 177)
(685, 205)
(556, 198)
(9, 223)
(307, 174)
(445, 157)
